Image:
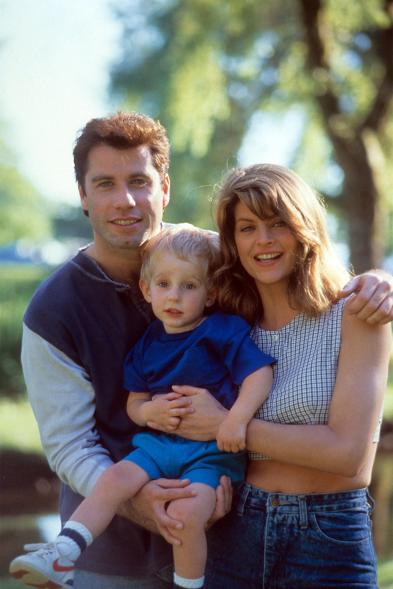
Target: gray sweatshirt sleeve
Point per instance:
(62, 399)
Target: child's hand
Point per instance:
(231, 435)
(164, 411)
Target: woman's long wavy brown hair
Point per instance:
(268, 189)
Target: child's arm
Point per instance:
(164, 410)
(253, 392)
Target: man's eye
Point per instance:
(105, 184)
(138, 182)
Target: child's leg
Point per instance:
(190, 556)
(53, 564)
(117, 484)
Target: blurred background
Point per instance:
(303, 83)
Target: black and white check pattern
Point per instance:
(307, 351)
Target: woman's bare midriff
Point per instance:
(279, 477)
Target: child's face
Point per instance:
(177, 291)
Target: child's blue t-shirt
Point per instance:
(217, 355)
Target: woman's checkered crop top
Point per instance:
(304, 375)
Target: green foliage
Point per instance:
(23, 212)
(17, 286)
(205, 68)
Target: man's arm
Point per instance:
(62, 399)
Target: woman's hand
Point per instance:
(373, 297)
(208, 414)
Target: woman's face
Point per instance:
(266, 247)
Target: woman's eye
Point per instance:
(246, 229)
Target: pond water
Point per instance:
(15, 531)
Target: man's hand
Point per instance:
(224, 494)
(165, 411)
(206, 418)
(373, 297)
(148, 507)
(231, 435)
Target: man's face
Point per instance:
(124, 196)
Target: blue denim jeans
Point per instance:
(88, 580)
(277, 541)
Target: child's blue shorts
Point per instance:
(173, 457)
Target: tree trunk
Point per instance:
(362, 204)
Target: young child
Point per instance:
(184, 346)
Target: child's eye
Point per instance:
(189, 286)
(163, 284)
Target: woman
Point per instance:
(302, 518)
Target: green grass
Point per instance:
(18, 428)
(385, 574)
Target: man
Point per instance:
(77, 330)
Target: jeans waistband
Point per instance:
(249, 496)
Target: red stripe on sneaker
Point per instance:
(60, 568)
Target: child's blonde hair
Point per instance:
(268, 189)
(186, 242)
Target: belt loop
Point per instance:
(303, 512)
(243, 495)
(370, 501)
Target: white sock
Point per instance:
(72, 540)
(189, 583)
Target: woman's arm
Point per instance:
(341, 446)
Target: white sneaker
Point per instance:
(43, 564)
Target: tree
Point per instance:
(23, 213)
(205, 68)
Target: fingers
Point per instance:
(167, 490)
(372, 299)
(181, 406)
(167, 396)
(155, 425)
(350, 287)
(172, 483)
(167, 525)
(187, 390)
(384, 313)
(224, 494)
(372, 303)
(231, 445)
